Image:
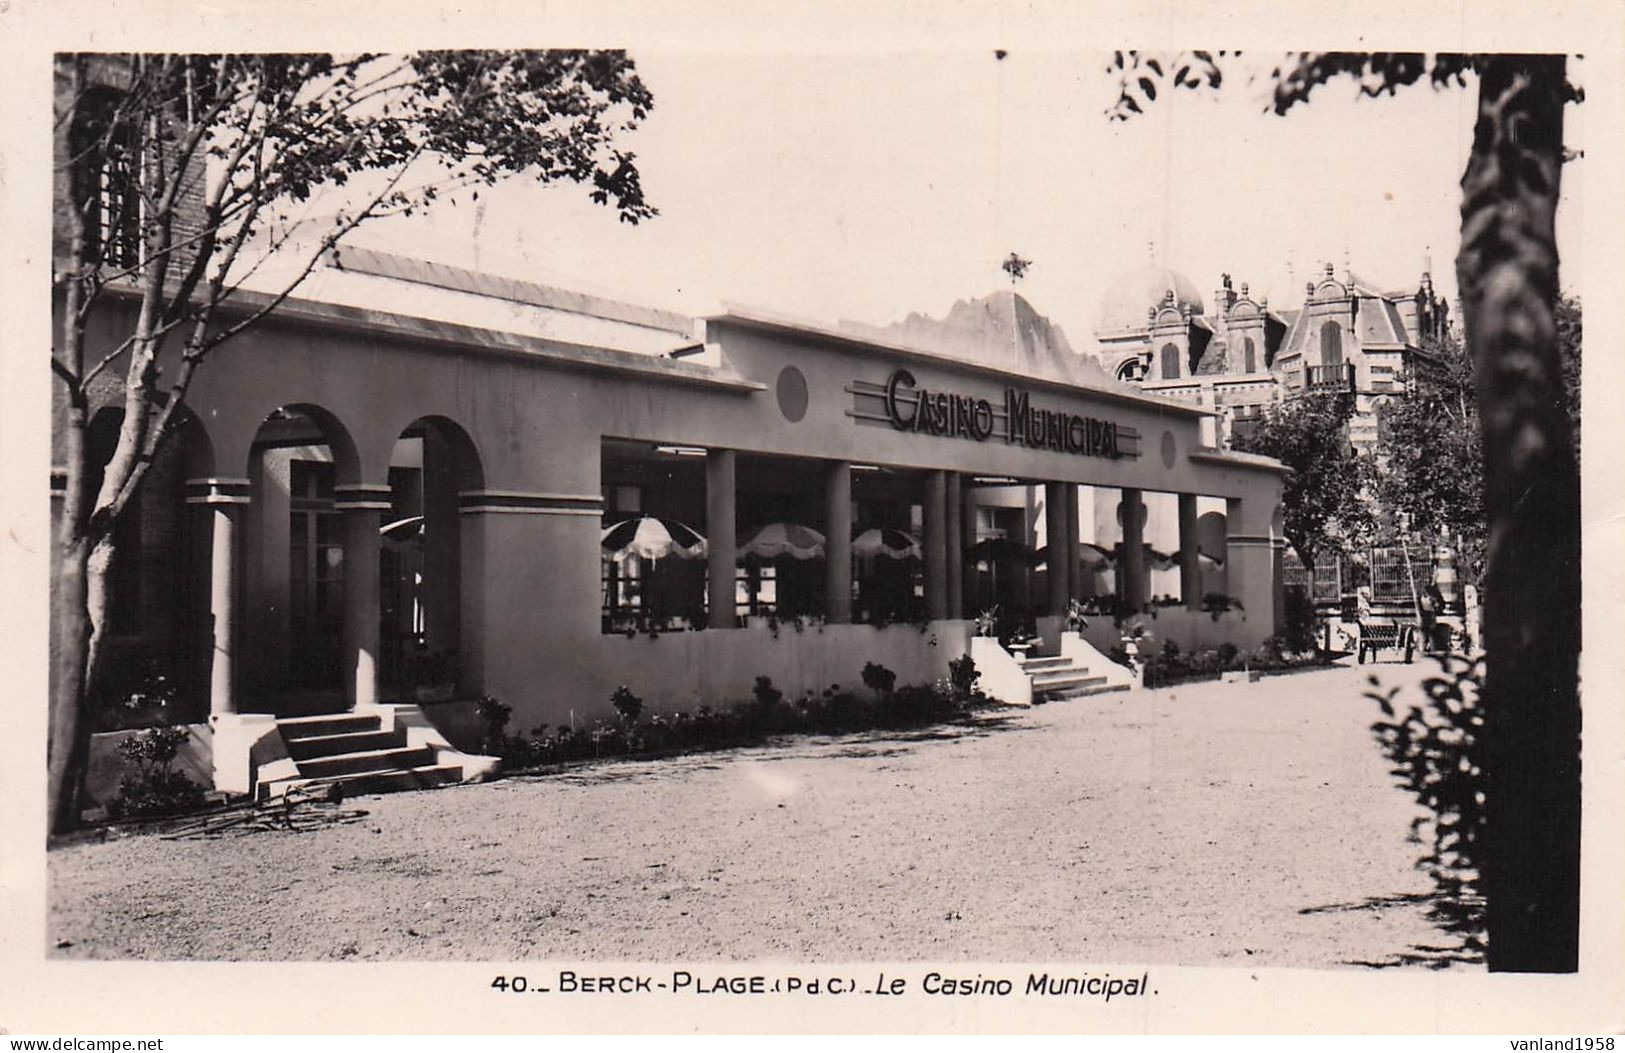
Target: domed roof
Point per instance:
(1135, 292)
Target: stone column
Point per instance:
(225, 500)
(363, 506)
(1133, 561)
(722, 554)
(1055, 535)
(1069, 514)
(967, 538)
(936, 545)
(838, 543)
(955, 545)
(1190, 567)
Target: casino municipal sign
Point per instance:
(908, 406)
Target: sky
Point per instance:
(865, 186)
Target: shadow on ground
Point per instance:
(856, 744)
(1458, 922)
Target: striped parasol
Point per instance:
(886, 541)
(651, 537)
(784, 539)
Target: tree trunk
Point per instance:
(70, 645)
(1507, 271)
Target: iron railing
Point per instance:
(1329, 378)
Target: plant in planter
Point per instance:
(1075, 621)
(1136, 637)
(987, 623)
(879, 679)
(1216, 603)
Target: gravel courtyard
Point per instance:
(1201, 825)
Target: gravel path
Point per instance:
(1199, 825)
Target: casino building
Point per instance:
(391, 497)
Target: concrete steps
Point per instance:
(1056, 678)
(355, 754)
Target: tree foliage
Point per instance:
(1141, 74)
(1323, 499)
(1430, 461)
(1430, 453)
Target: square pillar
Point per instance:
(1253, 565)
(362, 506)
(1060, 586)
(838, 543)
(722, 544)
(1190, 567)
(935, 514)
(1133, 561)
(955, 546)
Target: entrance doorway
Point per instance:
(315, 577)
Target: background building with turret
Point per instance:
(1244, 355)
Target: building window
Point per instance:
(106, 177)
(1331, 344)
(1249, 355)
(1170, 362)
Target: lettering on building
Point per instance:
(1016, 419)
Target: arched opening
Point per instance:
(1212, 540)
(1331, 344)
(425, 557)
(295, 561)
(1170, 362)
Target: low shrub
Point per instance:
(962, 675)
(1171, 666)
(768, 713)
(628, 705)
(154, 788)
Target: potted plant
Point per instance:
(1135, 637)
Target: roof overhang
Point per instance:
(457, 337)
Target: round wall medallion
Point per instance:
(1170, 448)
(792, 392)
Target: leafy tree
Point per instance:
(1430, 464)
(1506, 270)
(1430, 449)
(179, 177)
(1323, 500)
